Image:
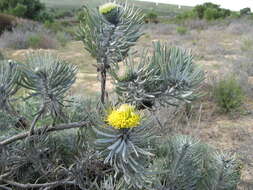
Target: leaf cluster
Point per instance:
(106, 41)
(168, 76)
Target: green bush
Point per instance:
(247, 44)
(63, 38)
(228, 94)
(19, 10)
(199, 10)
(45, 16)
(211, 14)
(245, 11)
(34, 41)
(53, 26)
(151, 17)
(22, 8)
(207, 11)
(186, 15)
(181, 30)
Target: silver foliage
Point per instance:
(167, 76)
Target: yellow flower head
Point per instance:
(124, 117)
(108, 7)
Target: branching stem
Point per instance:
(103, 85)
(41, 130)
(32, 186)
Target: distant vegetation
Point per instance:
(151, 17)
(211, 11)
(31, 9)
(208, 11)
(228, 94)
(245, 11)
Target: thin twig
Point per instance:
(40, 130)
(4, 175)
(103, 85)
(30, 186)
(36, 118)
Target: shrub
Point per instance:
(186, 15)
(63, 38)
(190, 164)
(34, 41)
(151, 17)
(245, 11)
(19, 10)
(211, 14)
(53, 26)
(246, 44)
(228, 94)
(199, 9)
(22, 8)
(181, 30)
(28, 35)
(6, 22)
(208, 11)
(45, 16)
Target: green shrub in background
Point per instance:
(213, 11)
(211, 14)
(23, 8)
(45, 16)
(228, 94)
(208, 11)
(181, 30)
(28, 34)
(151, 17)
(247, 44)
(186, 15)
(19, 10)
(245, 11)
(34, 41)
(53, 26)
(63, 38)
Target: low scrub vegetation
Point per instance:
(30, 9)
(208, 11)
(229, 94)
(28, 35)
(245, 11)
(181, 30)
(151, 17)
(33, 35)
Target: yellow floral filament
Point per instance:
(124, 117)
(106, 8)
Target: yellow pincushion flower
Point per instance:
(108, 7)
(124, 117)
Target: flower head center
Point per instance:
(124, 117)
